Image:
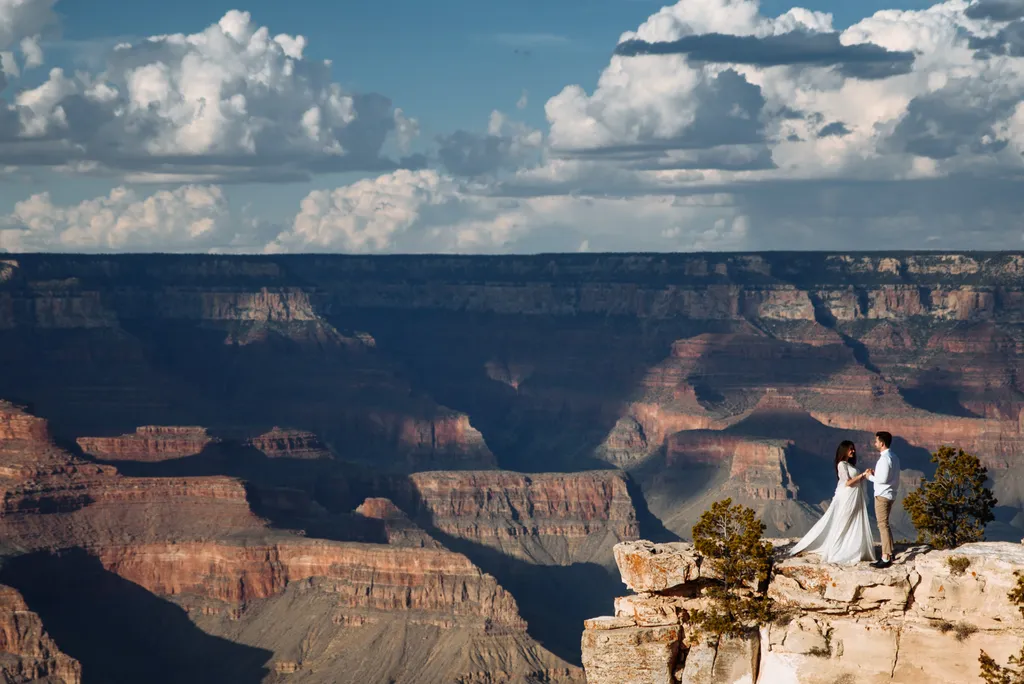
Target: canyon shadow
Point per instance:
(120, 632)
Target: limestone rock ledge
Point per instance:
(919, 620)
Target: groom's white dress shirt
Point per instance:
(887, 475)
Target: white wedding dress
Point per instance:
(843, 535)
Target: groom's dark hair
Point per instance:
(885, 437)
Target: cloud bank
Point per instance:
(712, 126)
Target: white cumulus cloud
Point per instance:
(192, 218)
(233, 101)
(901, 94)
(426, 211)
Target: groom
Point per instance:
(886, 478)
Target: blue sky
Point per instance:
(759, 160)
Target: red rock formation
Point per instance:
(400, 530)
(757, 468)
(50, 499)
(27, 452)
(446, 439)
(149, 443)
(995, 442)
(554, 517)
(450, 434)
(16, 424)
(358, 576)
(27, 653)
(299, 444)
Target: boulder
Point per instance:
(649, 567)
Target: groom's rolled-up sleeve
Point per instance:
(881, 471)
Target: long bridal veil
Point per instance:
(843, 535)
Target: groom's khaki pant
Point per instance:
(883, 507)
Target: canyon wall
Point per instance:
(921, 619)
(440, 586)
(547, 518)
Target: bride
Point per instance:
(843, 534)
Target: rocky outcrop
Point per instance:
(994, 441)
(757, 468)
(17, 425)
(448, 438)
(27, 653)
(279, 443)
(924, 618)
(399, 529)
(150, 443)
(549, 518)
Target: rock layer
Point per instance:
(549, 518)
(442, 586)
(279, 443)
(149, 443)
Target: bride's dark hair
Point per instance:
(843, 454)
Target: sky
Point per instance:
(530, 126)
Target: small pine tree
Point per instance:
(729, 539)
(1017, 594)
(991, 671)
(955, 506)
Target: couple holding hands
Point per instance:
(843, 535)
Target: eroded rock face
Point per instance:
(441, 584)
(281, 443)
(400, 530)
(553, 518)
(149, 443)
(614, 646)
(757, 468)
(27, 653)
(921, 619)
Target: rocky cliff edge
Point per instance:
(923, 619)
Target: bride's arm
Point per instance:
(855, 480)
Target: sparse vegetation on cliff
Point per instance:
(958, 564)
(1013, 673)
(729, 539)
(953, 508)
(961, 630)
